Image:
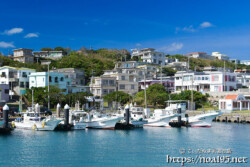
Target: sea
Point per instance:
(224, 144)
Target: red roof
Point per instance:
(233, 97)
(195, 53)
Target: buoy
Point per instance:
(13, 124)
(43, 124)
(34, 127)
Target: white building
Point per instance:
(40, 79)
(201, 55)
(243, 77)
(103, 85)
(213, 81)
(246, 62)
(234, 103)
(149, 55)
(220, 56)
(17, 78)
(23, 55)
(49, 54)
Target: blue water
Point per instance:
(140, 147)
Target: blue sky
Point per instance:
(171, 26)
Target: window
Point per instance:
(24, 75)
(6, 91)
(27, 84)
(105, 91)
(122, 86)
(132, 86)
(123, 78)
(62, 78)
(56, 79)
(111, 82)
(22, 84)
(216, 78)
(98, 91)
(50, 79)
(68, 83)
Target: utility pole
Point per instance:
(161, 74)
(192, 94)
(32, 100)
(48, 89)
(145, 92)
(188, 63)
(224, 78)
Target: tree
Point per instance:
(168, 71)
(198, 97)
(38, 95)
(46, 49)
(117, 96)
(156, 95)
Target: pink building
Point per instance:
(167, 83)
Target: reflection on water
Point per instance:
(139, 147)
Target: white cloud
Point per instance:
(187, 29)
(13, 31)
(173, 47)
(31, 35)
(6, 44)
(138, 45)
(206, 24)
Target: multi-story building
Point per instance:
(235, 61)
(149, 55)
(4, 93)
(178, 66)
(243, 77)
(40, 79)
(201, 55)
(77, 77)
(49, 54)
(246, 62)
(23, 55)
(103, 85)
(220, 56)
(16, 78)
(213, 81)
(168, 83)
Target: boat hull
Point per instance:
(204, 120)
(79, 126)
(49, 125)
(108, 123)
(161, 121)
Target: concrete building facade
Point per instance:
(23, 55)
(16, 78)
(234, 103)
(40, 79)
(49, 54)
(149, 55)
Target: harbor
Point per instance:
(139, 147)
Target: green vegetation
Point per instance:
(168, 71)
(156, 95)
(200, 63)
(117, 96)
(56, 96)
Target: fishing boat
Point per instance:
(203, 120)
(77, 119)
(161, 118)
(33, 120)
(100, 121)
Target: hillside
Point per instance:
(200, 63)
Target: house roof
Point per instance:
(233, 97)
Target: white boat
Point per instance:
(138, 116)
(203, 120)
(32, 120)
(161, 118)
(98, 121)
(76, 118)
